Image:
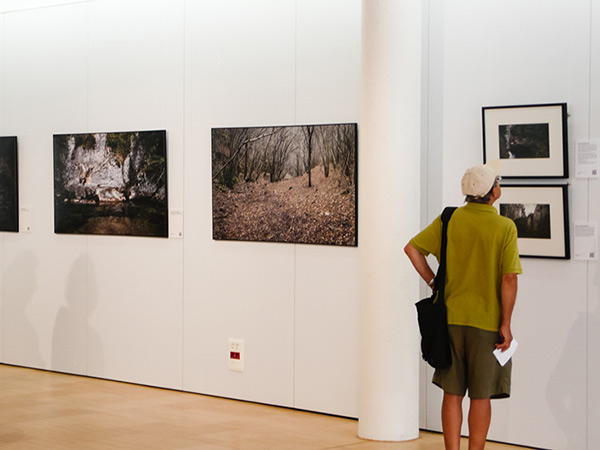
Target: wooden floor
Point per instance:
(45, 410)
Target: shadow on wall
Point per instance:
(593, 387)
(566, 391)
(21, 342)
(95, 349)
(74, 341)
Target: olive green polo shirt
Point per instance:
(482, 246)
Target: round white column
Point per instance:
(389, 205)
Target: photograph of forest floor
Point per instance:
(286, 211)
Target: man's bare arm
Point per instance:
(509, 297)
(419, 262)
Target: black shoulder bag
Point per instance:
(432, 316)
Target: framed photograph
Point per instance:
(111, 183)
(292, 184)
(541, 215)
(9, 185)
(531, 140)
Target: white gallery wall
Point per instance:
(488, 53)
(160, 311)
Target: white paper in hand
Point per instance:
(504, 357)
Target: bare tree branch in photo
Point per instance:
(280, 151)
(235, 135)
(255, 154)
(308, 133)
(345, 154)
(298, 169)
(226, 145)
(326, 151)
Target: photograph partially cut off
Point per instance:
(9, 185)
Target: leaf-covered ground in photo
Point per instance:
(286, 211)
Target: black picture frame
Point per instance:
(541, 213)
(531, 140)
(288, 184)
(111, 183)
(9, 184)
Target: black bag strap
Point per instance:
(440, 277)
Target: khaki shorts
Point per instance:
(474, 367)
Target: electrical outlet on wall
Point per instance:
(236, 355)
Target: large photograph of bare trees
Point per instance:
(111, 183)
(9, 185)
(293, 184)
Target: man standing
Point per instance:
(482, 263)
